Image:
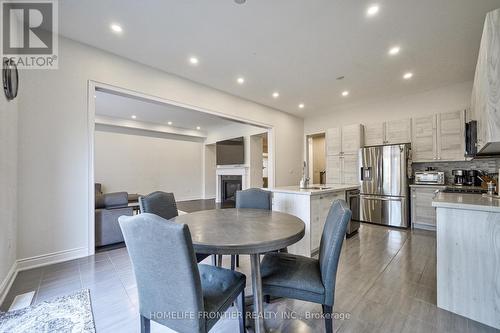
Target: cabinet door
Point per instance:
(316, 224)
(424, 138)
(374, 134)
(451, 136)
(423, 213)
(333, 169)
(398, 131)
(351, 138)
(350, 169)
(333, 141)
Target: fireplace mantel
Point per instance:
(230, 170)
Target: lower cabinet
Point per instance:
(313, 210)
(423, 215)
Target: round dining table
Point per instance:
(243, 231)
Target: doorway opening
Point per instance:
(316, 158)
(141, 143)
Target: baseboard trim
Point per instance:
(51, 258)
(8, 281)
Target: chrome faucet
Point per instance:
(304, 181)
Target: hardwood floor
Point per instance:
(386, 282)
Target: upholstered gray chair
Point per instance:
(308, 279)
(163, 204)
(254, 198)
(173, 289)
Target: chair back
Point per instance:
(159, 203)
(253, 198)
(331, 243)
(164, 262)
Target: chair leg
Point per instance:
(233, 262)
(242, 314)
(214, 260)
(145, 325)
(328, 313)
(219, 260)
(237, 260)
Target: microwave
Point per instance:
(429, 178)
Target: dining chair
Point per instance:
(173, 289)
(308, 279)
(163, 204)
(254, 198)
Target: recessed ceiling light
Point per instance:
(170, 123)
(276, 94)
(345, 93)
(372, 10)
(134, 116)
(240, 80)
(193, 61)
(408, 75)
(116, 28)
(198, 128)
(301, 106)
(394, 50)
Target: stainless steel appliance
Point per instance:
(352, 198)
(459, 177)
(429, 178)
(472, 178)
(384, 195)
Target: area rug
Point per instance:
(72, 313)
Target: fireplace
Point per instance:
(229, 185)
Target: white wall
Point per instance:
(54, 140)
(8, 187)
(450, 98)
(144, 164)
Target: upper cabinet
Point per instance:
(439, 137)
(388, 133)
(344, 140)
(485, 103)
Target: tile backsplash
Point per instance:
(489, 165)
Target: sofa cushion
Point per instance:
(116, 200)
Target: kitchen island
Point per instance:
(311, 205)
(468, 256)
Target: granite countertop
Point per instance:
(328, 188)
(466, 201)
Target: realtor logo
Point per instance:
(29, 33)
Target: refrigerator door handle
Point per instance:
(371, 197)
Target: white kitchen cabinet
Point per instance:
(320, 206)
(388, 133)
(334, 169)
(344, 140)
(343, 144)
(374, 134)
(423, 215)
(342, 169)
(439, 137)
(423, 143)
(398, 131)
(312, 207)
(334, 141)
(485, 102)
(451, 136)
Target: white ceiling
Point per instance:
(296, 47)
(116, 106)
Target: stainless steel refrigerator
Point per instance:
(384, 195)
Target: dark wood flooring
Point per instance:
(386, 282)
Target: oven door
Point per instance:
(386, 210)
